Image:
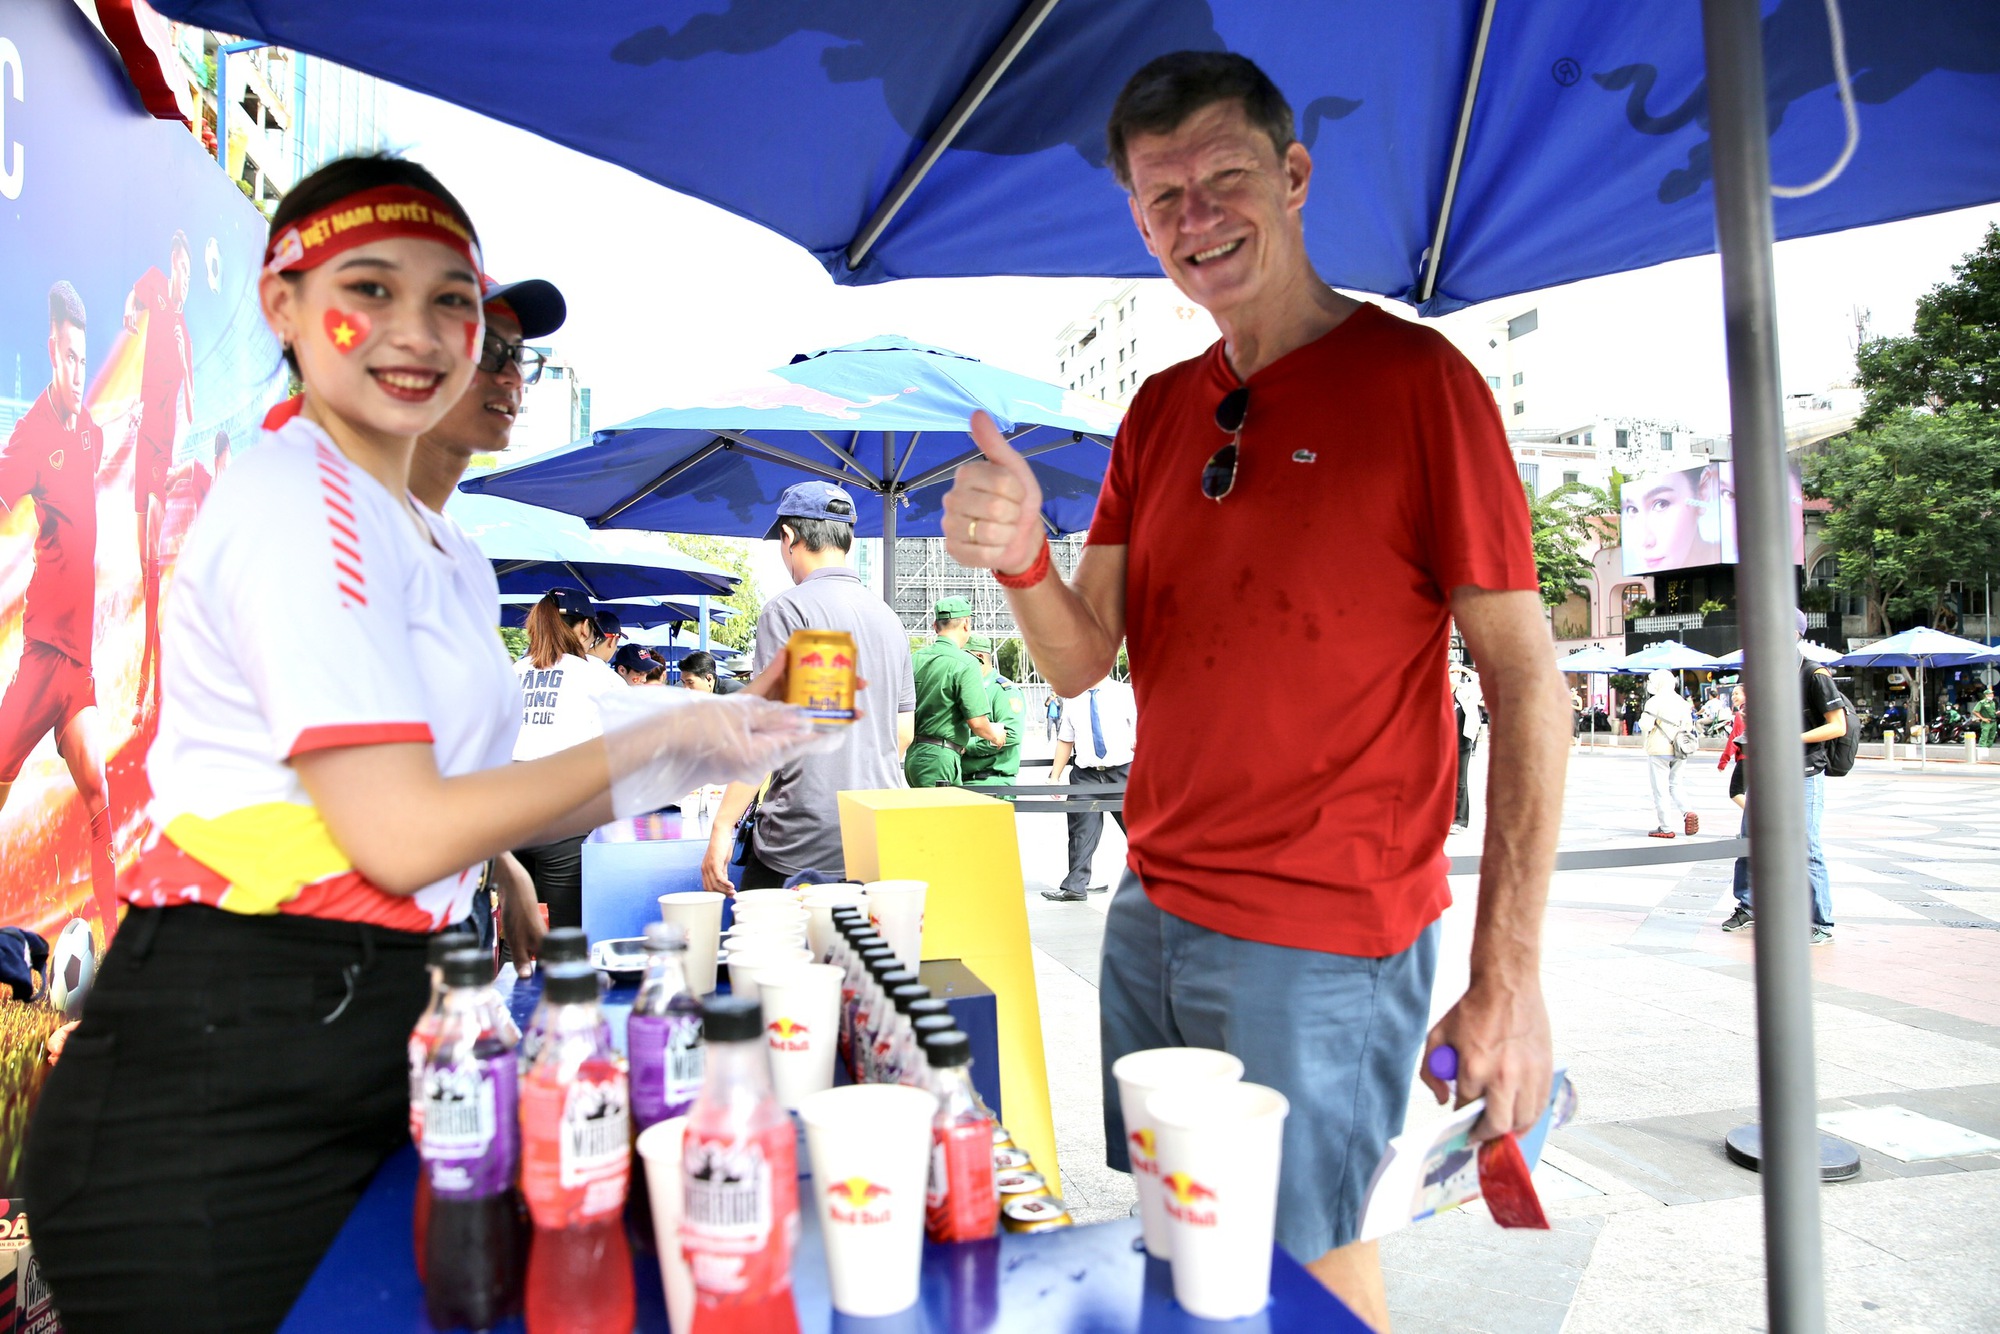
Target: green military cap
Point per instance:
(950, 609)
(977, 643)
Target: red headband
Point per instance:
(369, 215)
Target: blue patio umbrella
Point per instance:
(1593, 661)
(1668, 653)
(1477, 150)
(1920, 647)
(535, 549)
(886, 417)
(631, 612)
(1472, 149)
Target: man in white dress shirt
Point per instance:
(1094, 743)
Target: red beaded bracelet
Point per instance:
(1029, 577)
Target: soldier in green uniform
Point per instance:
(988, 765)
(953, 705)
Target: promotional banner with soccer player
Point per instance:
(131, 355)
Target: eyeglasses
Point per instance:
(498, 354)
(1218, 475)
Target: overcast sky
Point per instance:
(669, 296)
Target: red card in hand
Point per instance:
(1506, 1185)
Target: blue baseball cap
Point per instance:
(536, 302)
(813, 500)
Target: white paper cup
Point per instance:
(660, 1149)
(819, 906)
(870, 1146)
(700, 913)
(771, 916)
(801, 1026)
(749, 900)
(1219, 1153)
(896, 907)
(1138, 1074)
(744, 964)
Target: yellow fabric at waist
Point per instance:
(267, 852)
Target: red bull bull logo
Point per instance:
(1188, 1200)
(1145, 1160)
(788, 1035)
(850, 1201)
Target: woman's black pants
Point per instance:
(234, 1084)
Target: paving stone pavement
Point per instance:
(1653, 1011)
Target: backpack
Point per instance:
(1686, 742)
(1842, 750)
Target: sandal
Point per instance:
(1693, 823)
(1661, 833)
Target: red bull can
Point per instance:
(1035, 1213)
(819, 675)
(1019, 1182)
(1010, 1159)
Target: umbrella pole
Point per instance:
(701, 610)
(1739, 135)
(889, 519)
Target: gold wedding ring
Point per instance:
(972, 532)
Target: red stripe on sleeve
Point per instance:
(358, 734)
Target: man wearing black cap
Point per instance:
(482, 422)
(797, 828)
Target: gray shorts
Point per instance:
(1339, 1036)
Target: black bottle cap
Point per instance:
(929, 1006)
(565, 944)
(878, 958)
(948, 1048)
(924, 1025)
(446, 942)
(468, 968)
(847, 912)
(907, 994)
(731, 1019)
(891, 978)
(568, 982)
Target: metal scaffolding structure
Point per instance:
(925, 573)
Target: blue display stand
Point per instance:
(1084, 1278)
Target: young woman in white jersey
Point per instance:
(561, 683)
(333, 762)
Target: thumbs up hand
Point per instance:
(993, 512)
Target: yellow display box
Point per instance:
(964, 845)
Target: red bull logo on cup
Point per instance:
(1144, 1155)
(1185, 1197)
(788, 1035)
(848, 1202)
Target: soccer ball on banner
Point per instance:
(72, 966)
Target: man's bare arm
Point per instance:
(993, 522)
(1064, 749)
(1500, 1027)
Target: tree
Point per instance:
(1916, 504)
(733, 555)
(1564, 524)
(1952, 354)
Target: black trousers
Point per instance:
(1463, 814)
(557, 870)
(234, 1084)
(1086, 828)
(756, 875)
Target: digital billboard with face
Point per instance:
(1679, 520)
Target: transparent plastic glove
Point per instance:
(662, 743)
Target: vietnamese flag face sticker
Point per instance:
(473, 329)
(347, 330)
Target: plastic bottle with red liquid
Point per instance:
(474, 1244)
(576, 1148)
(421, 1038)
(565, 944)
(960, 1203)
(663, 1043)
(740, 1219)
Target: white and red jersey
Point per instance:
(308, 612)
(559, 703)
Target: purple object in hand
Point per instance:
(1443, 1062)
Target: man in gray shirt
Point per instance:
(797, 828)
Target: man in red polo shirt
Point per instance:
(52, 457)
(1340, 479)
(166, 399)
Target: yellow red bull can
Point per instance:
(1035, 1213)
(1010, 1159)
(1019, 1182)
(819, 675)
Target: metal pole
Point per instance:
(889, 519)
(1732, 32)
(222, 54)
(701, 610)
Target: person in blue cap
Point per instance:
(953, 704)
(796, 828)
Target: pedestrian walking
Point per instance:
(1986, 715)
(1470, 714)
(1667, 726)
(1054, 711)
(1094, 745)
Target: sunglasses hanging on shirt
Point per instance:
(1218, 475)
